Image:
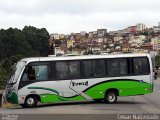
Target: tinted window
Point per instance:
(140, 66)
(68, 70)
(123, 66)
(118, 67)
(113, 67)
(145, 66)
(99, 67)
(87, 68)
(61, 70)
(94, 68)
(74, 69)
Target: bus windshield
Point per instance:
(17, 68)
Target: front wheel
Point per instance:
(110, 97)
(31, 101)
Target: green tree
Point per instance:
(16, 58)
(37, 39)
(5, 69)
(16, 44)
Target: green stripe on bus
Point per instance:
(48, 98)
(44, 88)
(12, 97)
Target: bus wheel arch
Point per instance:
(111, 95)
(31, 100)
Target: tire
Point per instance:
(23, 105)
(110, 97)
(98, 100)
(31, 101)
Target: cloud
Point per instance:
(65, 16)
(76, 6)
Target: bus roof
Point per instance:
(83, 57)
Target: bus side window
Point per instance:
(140, 66)
(123, 67)
(38, 72)
(87, 68)
(145, 66)
(41, 72)
(62, 70)
(99, 66)
(113, 67)
(31, 73)
(74, 69)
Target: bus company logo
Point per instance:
(80, 83)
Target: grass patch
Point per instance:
(9, 105)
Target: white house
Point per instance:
(140, 27)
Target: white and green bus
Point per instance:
(79, 78)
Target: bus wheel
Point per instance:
(110, 97)
(98, 100)
(31, 101)
(23, 105)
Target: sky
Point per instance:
(66, 16)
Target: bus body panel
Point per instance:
(59, 91)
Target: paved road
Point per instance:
(135, 104)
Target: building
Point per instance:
(140, 27)
(137, 39)
(90, 34)
(83, 33)
(70, 43)
(118, 38)
(94, 32)
(156, 47)
(148, 47)
(132, 29)
(120, 32)
(101, 32)
(51, 36)
(156, 29)
(77, 37)
(56, 36)
(99, 40)
(112, 32)
(62, 36)
(58, 51)
(118, 48)
(51, 40)
(155, 40)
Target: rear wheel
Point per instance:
(31, 101)
(23, 105)
(98, 100)
(110, 97)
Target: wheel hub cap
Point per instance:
(30, 101)
(111, 97)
